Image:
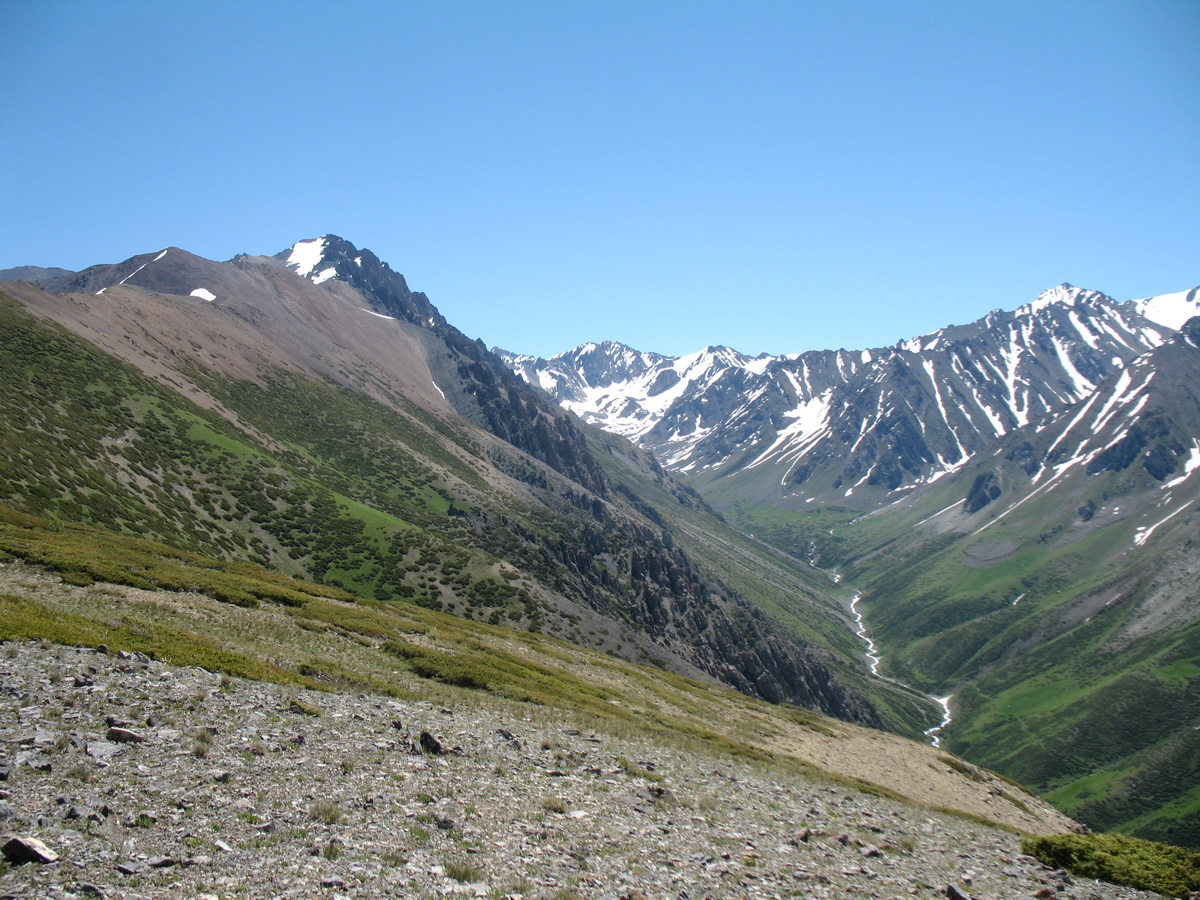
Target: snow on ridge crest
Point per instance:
(1065, 294)
(306, 256)
(1170, 310)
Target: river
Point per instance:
(873, 659)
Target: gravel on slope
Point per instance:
(149, 781)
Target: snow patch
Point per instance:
(305, 256)
(1171, 310)
(1144, 532)
(372, 312)
(324, 275)
(203, 294)
(1193, 462)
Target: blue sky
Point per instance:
(771, 176)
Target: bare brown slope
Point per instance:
(263, 317)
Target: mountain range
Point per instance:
(1008, 505)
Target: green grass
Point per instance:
(1119, 859)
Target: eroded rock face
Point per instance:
(234, 791)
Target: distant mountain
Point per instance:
(308, 411)
(35, 274)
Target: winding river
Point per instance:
(873, 659)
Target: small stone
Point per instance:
(333, 881)
(430, 744)
(22, 849)
(162, 862)
(954, 892)
(128, 868)
(35, 761)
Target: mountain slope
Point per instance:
(347, 434)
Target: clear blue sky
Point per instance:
(772, 176)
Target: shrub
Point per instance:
(325, 811)
(1119, 859)
(463, 871)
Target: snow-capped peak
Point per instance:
(305, 256)
(1063, 295)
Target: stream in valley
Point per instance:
(873, 659)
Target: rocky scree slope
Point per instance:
(145, 780)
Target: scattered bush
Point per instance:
(463, 871)
(1119, 859)
(325, 811)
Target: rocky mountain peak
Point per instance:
(1065, 294)
(332, 257)
(847, 423)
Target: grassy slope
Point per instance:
(132, 594)
(342, 489)
(1065, 690)
(351, 493)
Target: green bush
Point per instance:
(1119, 859)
